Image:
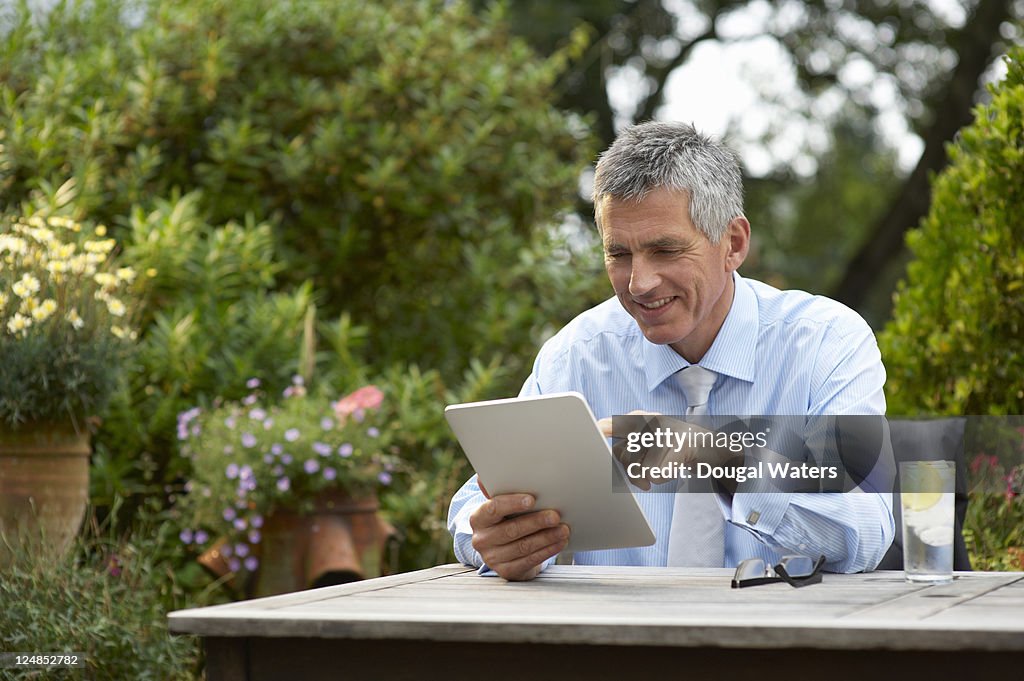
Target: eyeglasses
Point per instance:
(794, 570)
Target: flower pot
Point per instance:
(44, 489)
(342, 540)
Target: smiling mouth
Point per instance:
(654, 305)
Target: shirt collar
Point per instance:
(731, 353)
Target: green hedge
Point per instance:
(956, 342)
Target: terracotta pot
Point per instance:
(44, 489)
(342, 540)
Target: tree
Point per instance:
(933, 60)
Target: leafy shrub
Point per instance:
(398, 150)
(109, 599)
(211, 320)
(956, 342)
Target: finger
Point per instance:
(512, 529)
(526, 546)
(529, 567)
(494, 510)
(480, 484)
(605, 425)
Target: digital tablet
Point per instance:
(550, 446)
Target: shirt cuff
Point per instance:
(759, 512)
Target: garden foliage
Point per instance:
(404, 154)
(956, 343)
(108, 599)
(386, 174)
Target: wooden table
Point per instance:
(621, 623)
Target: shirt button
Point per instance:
(753, 517)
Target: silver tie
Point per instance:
(697, 534)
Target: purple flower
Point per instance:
(384, 477)
(292, 434)
(248, 440)
(227, 551)
(240, 524)
(249, 400)
(230, 422)
(267, 458)
(231, 471)
(276, 449)
(245, 472)
(373, 432)
(345, 450)
(268, 424)
(254, 536)
(241, 550)
(311, 466)
(201, 537)
(297, 380)
(322, 449)
(251, 563)
(186, 536)
(286, 459)
(330, 473)
(359, 415)
(234, 565)
(256, 521)
(327, 423)
(258, 414)
(277, 470)
(229, 514)
(284, 484)
(252, 383)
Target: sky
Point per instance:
(748, 87)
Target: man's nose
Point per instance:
(643, 278)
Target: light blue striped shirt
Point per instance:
(777, 353)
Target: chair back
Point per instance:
(929, 440)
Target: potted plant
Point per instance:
(284, 493)
(64, 306)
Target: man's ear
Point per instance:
(737, 242)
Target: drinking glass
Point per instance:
(926, 495)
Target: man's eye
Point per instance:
(616, 254)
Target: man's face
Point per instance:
(674, 282)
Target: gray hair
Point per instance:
(675, 156)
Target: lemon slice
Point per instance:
(920, 501)
(925, 483)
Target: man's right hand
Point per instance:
(516, 547)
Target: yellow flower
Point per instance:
(116, 307)
(18, 323)
(101, 230)
(126, 274)
(57, 267)
(118, 331)
(151, 272)
(3, 300)
(105, 279)
(76, 321)
(26, 286)
(43, 311)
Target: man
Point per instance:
(669, 208)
